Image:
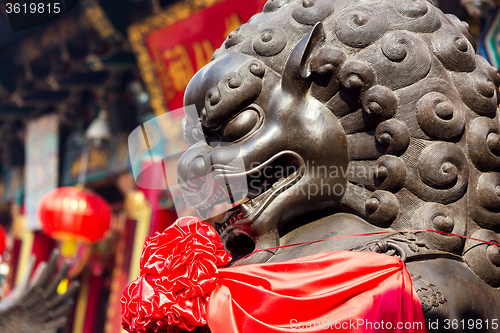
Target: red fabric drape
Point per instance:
(184, 284)
(341, 291)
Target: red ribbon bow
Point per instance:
(178, 273)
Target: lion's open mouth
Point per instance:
(265, 183)
(248, 192)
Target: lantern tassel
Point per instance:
(68, 249)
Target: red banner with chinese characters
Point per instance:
(179, 50)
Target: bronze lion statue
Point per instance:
(356, 117)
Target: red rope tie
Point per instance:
(368, 234)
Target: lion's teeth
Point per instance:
(245, 209)
(279, 182)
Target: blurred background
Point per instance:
(71, 91)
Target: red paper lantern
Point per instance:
(3, 240)
(75, 215)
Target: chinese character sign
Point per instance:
(175, 52)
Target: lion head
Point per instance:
(381, 109)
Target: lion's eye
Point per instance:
(241, 125)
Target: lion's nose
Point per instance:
(197, 169)
(192, 167)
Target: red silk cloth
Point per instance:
(183, 285)
(342, 291)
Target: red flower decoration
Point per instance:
(179, 270)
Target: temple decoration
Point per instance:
(72, 215)
(173, 45)
(489, 41)
(478, 8)
(3, 240)
(138, 208)
(42, 164)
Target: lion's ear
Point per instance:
(296, 77)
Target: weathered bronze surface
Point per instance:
(36, 306)
(355, 117)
